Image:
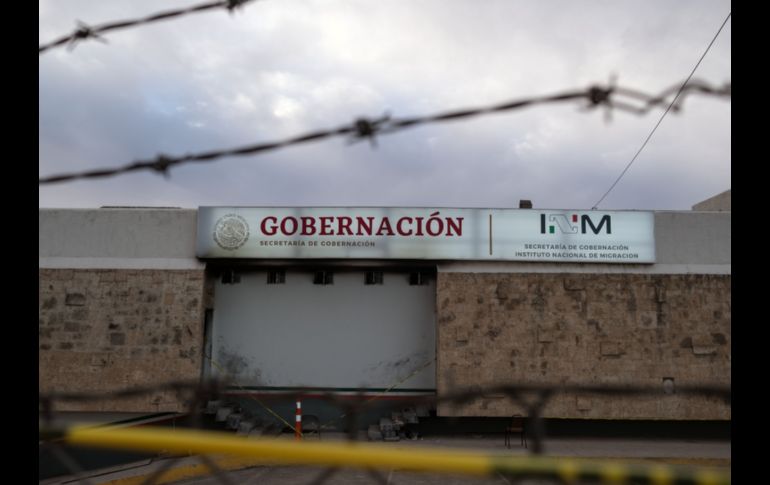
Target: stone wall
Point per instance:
(585, 329)
(104, 329)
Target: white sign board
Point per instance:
(420, 233)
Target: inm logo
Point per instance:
(573, 224)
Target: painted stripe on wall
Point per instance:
(120, 263)
(497, 267)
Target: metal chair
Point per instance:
(516, 426)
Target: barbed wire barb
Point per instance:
(368, 129)
(84, 32)
(233, 5)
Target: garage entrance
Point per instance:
(328, 329)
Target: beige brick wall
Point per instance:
(585, 329)
(103, 330)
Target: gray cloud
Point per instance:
(280, 68)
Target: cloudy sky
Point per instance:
(280, 68)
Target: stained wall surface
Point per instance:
(555, 328)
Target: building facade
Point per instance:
(389, 300)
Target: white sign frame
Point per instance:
(426, 234)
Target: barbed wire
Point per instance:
(533, 397)
(367, 128)
(84, 31)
